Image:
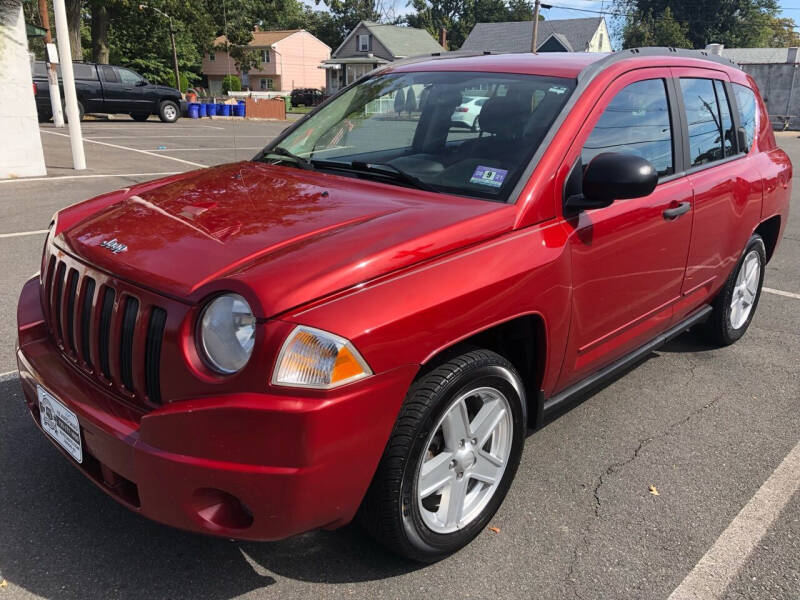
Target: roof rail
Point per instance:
(595, 67)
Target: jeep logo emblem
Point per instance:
(113, 245)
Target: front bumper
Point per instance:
(247, 466)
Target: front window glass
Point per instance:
(464, 133)
(128, 77)
(636, 122)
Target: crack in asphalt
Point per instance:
(614, 468)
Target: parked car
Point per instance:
(466, 113)
(306, 97)
(109, 89)
(382, 310)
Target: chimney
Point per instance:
(715, 49)
(443, 37)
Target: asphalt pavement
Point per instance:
(706, 428)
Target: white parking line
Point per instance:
(4, 375)
(22, 233)
(188, 162)
(781, 293)
(95, 176)
(712, 575)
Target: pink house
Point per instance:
(289, 59)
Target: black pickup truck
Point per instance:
(110, 90)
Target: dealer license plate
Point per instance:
(60, 423)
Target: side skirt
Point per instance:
(551, 405)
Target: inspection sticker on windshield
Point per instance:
(60, 423)
(488, 176)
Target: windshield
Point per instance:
(458, 132)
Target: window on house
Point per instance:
(363, 42)
(708, 129)
(635, 122)
(212, 56)
(267, 84)
(265, 55)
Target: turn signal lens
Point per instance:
(317, 359)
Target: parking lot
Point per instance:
(714, 432)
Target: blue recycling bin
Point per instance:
(204, 110)
(239, 108)
(226, 110)
(194, 110)
(212, 110)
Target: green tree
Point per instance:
(460, 16)
(231, 83)
(662, 30)
(735, 23)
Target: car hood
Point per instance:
(282, 235)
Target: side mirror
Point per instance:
(142, 82)
(612, 176)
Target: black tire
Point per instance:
(80, 112)
(720, 328)
(169, 111)
(139, 117)
(390, 511)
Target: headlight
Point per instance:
(318, 359)
(227, 333)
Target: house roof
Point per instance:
(516, 36)
(399, 41)
(263, 38)
(745, 56)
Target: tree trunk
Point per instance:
(74, 25)
(100, 20)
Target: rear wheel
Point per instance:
(140, 116)
(451, 458)
(736, 303)
(169, 112)
(80, 112)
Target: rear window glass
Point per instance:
(79, 71)
(706, 134)
(746, 106)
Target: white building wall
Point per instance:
(21, 151)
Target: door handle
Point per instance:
(673, 213)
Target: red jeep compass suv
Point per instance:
(365, 318)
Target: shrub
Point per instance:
(184, 81)
(231, 83)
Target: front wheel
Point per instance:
(736, 303)
(451, 458)
(169, 112)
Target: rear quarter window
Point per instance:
(746, 107)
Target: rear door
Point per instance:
(112, 88)
(726, 182)
(629, 258)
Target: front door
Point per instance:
(628, 259)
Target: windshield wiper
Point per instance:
(390, 172)
(303, 163)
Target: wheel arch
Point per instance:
(521, 340)
(770, 230)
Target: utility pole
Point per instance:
(535, 39)
(52, 73)
(71, 98)
(172, 39)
